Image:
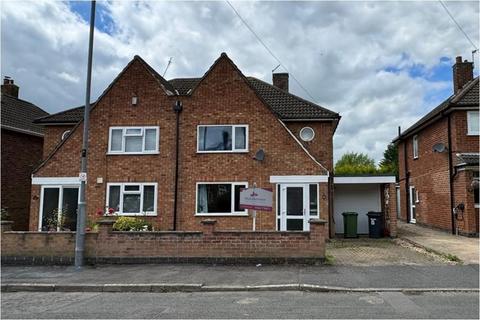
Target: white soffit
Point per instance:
(363, 180)
(55, 180)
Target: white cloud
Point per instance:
(338, 50)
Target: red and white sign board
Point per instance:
(256, 199)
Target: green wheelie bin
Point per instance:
(350, 224)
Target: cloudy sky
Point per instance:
(379, 64)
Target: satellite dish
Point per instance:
(439, 147)
(259, 155)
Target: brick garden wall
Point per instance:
(208, 245)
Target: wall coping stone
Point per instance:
(6, 222)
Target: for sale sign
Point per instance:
(256, 199)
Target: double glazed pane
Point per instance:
(116, 140)
(313, 200)
(215, 138)
(148, 198)
(133, 143)
(217, 198)
(240, 138)
(150, 139)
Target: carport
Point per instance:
(360, 194)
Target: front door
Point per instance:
(413, 202)
(294, 207)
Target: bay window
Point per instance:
(219, 198)
(222, 138)
(133, 140)
(132, 198)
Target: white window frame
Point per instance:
(413, 204)
(470, 115)
(303, 130)
(122, 192)
(124, 134)
(415, 146)
(233, 138)
(60, 199)
(232, 213)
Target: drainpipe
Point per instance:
(450, 171)
(177, 108)
(407, 181)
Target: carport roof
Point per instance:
(363, 179)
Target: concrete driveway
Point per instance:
(366, 252)
(466, 249)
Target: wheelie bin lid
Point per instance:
(374, 214)
(349, 214)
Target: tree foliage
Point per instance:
(389, 163)
(355, 163)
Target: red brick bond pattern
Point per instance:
(208, 245)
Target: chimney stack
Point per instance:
(462, 73)
(8, 87)
(280, 80)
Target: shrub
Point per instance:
(131, 224)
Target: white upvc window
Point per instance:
(132, 198)
(222, 138)
(415, 146)
(219, 198)
(473, 123)
(133, 140)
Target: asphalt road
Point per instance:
(289, 304)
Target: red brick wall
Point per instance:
(52, 137)
(461, 141)
(20, 154)
(321, 147)
(389, 206)
(429, 175)
(222, 97)
(468, 220)
(206, 244)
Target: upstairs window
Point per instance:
(473, 123)
(222, 138)
(132, 198)
(415, 147)
(133, 140)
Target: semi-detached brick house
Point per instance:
(22, 143)
(438, 158)
(224, 120)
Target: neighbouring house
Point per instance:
(179, 151)
(22, 145)
(439, 158)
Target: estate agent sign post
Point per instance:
(256, 199)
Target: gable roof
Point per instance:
(467, 97)
(285, 105)
(18, 115)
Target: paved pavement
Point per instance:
(467, 249)
(247, 305)
(401, 276)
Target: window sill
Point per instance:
(477, 206)
(221, 215)
(473, 134)
(415, 158)
(133, 215)
(222, 151)
(132, 153)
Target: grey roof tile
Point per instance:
(18, 114)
